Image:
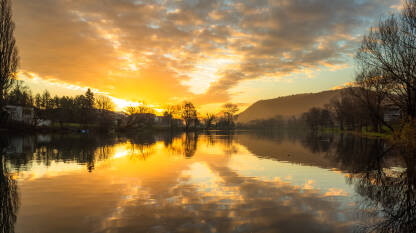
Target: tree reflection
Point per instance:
(390, 194)
(382, 174)
(385, 180)
(318, 143)
(83, 149)
(9, 199)
(358, 154)
(189, 145)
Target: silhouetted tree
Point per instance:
(189, 114)
(229, 111)
(19, 95)
(209, 120)
(138, 109)
(9, 59)
(312, 118)
(46, 100)
(169, 114)
(387, 60)
(347, 111)
(325, 118)
(130, 110)
(89, 99)
(104, 103)
(295, 123)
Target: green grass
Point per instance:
(365, 132)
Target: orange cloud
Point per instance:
(345, 85)
(168, 51)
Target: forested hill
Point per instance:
(286, 106)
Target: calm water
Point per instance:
(246, 182)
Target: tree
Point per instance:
(188, 113)
(312, 118)
(90, 100)
(387, 60)
(371, 97)
(130, 110)
(9, 59)
(209, 120)
(20, 95)
(169, 113)
(38, 101)
(145, 109)
(325, 118)
(229, 110)
(104, 103)
(46, 100)
(142, 109)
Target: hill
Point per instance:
(286, 106)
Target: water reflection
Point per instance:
(9, 199)
(214, 182)
(389, 194)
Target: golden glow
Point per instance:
(121, 104)
(208, 71)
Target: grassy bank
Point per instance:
(365, 132)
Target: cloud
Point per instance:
(148, 49)
(345, 85)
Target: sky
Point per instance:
(208, 52)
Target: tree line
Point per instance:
(184, 116)
(349, 112)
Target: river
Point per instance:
(208, 182)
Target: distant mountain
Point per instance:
(286, 106)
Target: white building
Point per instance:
(20, 113)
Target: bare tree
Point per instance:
(208, 120)
(188, 113)
(9, 59)
(104, 103)
(387, 60)
(312, 118)
(372, 94)
(141, 109)
(229, 111)
(170, 113)
(130, 110)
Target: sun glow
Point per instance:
(207, 72)
(121, 105)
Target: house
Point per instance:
(391, 113)
(20, 113)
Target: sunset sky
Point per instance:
(208, 52)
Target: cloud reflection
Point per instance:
(151, 184)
